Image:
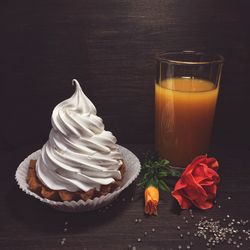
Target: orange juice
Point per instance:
(183, 118)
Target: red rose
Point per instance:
(197, 184)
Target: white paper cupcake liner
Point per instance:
(133, 168)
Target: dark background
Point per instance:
(110, 46)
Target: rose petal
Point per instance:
(197, 184)
(180, 184)
(212, 163)
(193, 164)
(209, 174)
(188, 170)
(213, 175)
(199, 159)
(211, 191)
(193, 193)
(203, 204)
(200, 172)
(192, 183)
(207, 182)
(182, 200)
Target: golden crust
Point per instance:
(36, 186)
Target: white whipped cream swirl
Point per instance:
(80, 154)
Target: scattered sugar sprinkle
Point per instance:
(131, 247)
(63, 241)
(138, 220)
(215, 232)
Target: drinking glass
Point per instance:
(186, 92)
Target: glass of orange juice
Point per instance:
(186, 91)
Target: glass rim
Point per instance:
(166, 57)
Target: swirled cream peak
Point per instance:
(80, 154)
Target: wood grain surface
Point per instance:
(27, 224)
(110, 46)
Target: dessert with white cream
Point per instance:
(81, 159)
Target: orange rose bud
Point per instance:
(151, 200)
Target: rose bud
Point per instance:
(151, 200)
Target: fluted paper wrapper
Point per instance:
(131, 162)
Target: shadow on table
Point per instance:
(38, 216)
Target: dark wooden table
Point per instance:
(110, 46)
(26, 224)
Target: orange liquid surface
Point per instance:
(184, 112)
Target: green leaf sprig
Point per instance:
(154, 172)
